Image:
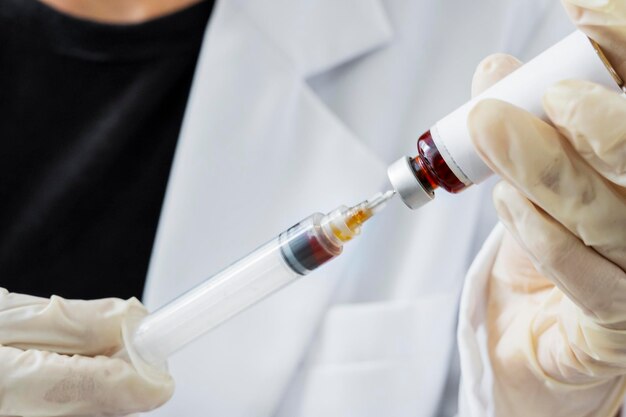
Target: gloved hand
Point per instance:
(557, 290)
(55, 359)
(605, 22)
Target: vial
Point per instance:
(431, 169)
(446, 158)
(416, 178)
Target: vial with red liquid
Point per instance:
(416, 178)
(446, 158)
(431, 169)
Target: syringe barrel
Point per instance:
(279, 262)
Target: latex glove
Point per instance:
(605, 22)
(55, 359)
(557, 290)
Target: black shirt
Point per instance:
(89, 118)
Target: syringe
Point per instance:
(294, 253)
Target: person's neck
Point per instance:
(118, 11)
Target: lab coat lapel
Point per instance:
(321, 34)
(257, 152)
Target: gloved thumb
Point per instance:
(491, 70)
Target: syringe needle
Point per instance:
(377, 203)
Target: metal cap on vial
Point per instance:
(404, 181)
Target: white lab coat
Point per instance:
(298, 106)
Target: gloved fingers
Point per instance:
(593, 119)
(37, 383)
(65, 326)
(514, 272)
(491, 70)
(592, 282)
(537, 160)
(605, 22)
